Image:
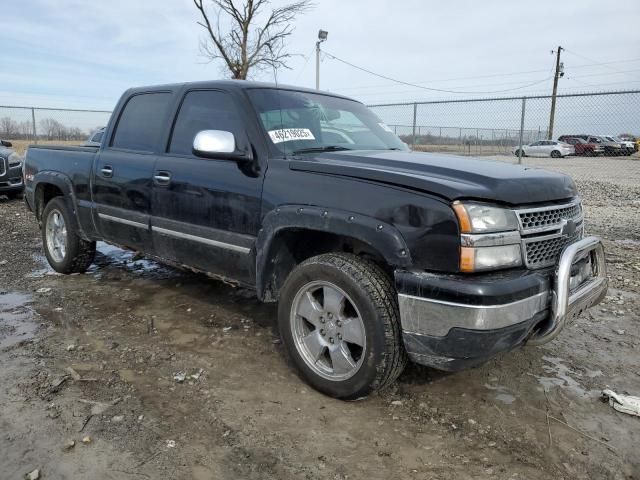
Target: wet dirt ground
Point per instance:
(173, 375)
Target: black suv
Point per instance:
(11, 183)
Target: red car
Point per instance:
(583, 147)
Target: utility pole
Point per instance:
(559, 73)
(322, 36)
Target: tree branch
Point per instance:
(236, 47)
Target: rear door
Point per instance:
(206, 212)
(545, 148)
(123, 170)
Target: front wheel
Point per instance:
(556, 154)
(65, 250)
(339, 321)
(520, 153)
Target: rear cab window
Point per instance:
(141, 122)
(97, 137)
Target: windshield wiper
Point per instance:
(327, 148)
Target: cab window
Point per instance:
(203, 110)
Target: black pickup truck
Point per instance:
(375, 254)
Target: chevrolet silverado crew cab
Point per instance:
(375, 254)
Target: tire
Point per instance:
(518, 153)
(589, 153)
(376, 357)
(556, 154)
(65, 250)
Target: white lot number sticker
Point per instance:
(290, 134)
(385, 127)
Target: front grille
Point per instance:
(545, 234)
(546, 251)
(534, 219)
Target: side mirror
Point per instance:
(6, 143)
(219, 144)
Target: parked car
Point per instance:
(634, 140)
(628, 147)
(611, 148)
(95, 138)
(11, 183)
(582, 147)
(546, 148)
(375, 254)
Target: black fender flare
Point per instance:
(382, 237)
(64, 183)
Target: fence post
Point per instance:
(33, 123)
(413, 135)
(524, 105)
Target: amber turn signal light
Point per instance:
(463, 217)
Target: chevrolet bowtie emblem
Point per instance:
(568, 228)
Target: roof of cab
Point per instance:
(236, 84)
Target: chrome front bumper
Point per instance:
(433, 328)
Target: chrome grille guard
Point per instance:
(566, 304)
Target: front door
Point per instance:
(206, 212)
(534, 149)
(124, 169)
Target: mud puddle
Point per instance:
(16, 319)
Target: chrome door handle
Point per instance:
(107, 171)
(162, 178)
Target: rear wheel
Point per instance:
(338, 317)
(556, 154)
(65, 250)
(520, 153)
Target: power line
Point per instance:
(596, 63)
(601, 74)
(489, 76)
(401, 82)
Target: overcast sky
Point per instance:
(83, 54)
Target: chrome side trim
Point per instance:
(124, 221)
(427, 316)
(490, 239)
(206, 241)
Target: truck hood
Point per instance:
(449, 176)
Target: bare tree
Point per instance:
(245, 45)
(8, 127)
(25, 129)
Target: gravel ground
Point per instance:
(97, 355)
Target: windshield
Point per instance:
(301, 122)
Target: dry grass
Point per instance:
(20, 146)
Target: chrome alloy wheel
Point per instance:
(56, 235)
(328, 330)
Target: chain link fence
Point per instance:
(486, 126)
(25, 125)
(498, 126)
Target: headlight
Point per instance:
(490, 237)
(15, 160)
(480, 218)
